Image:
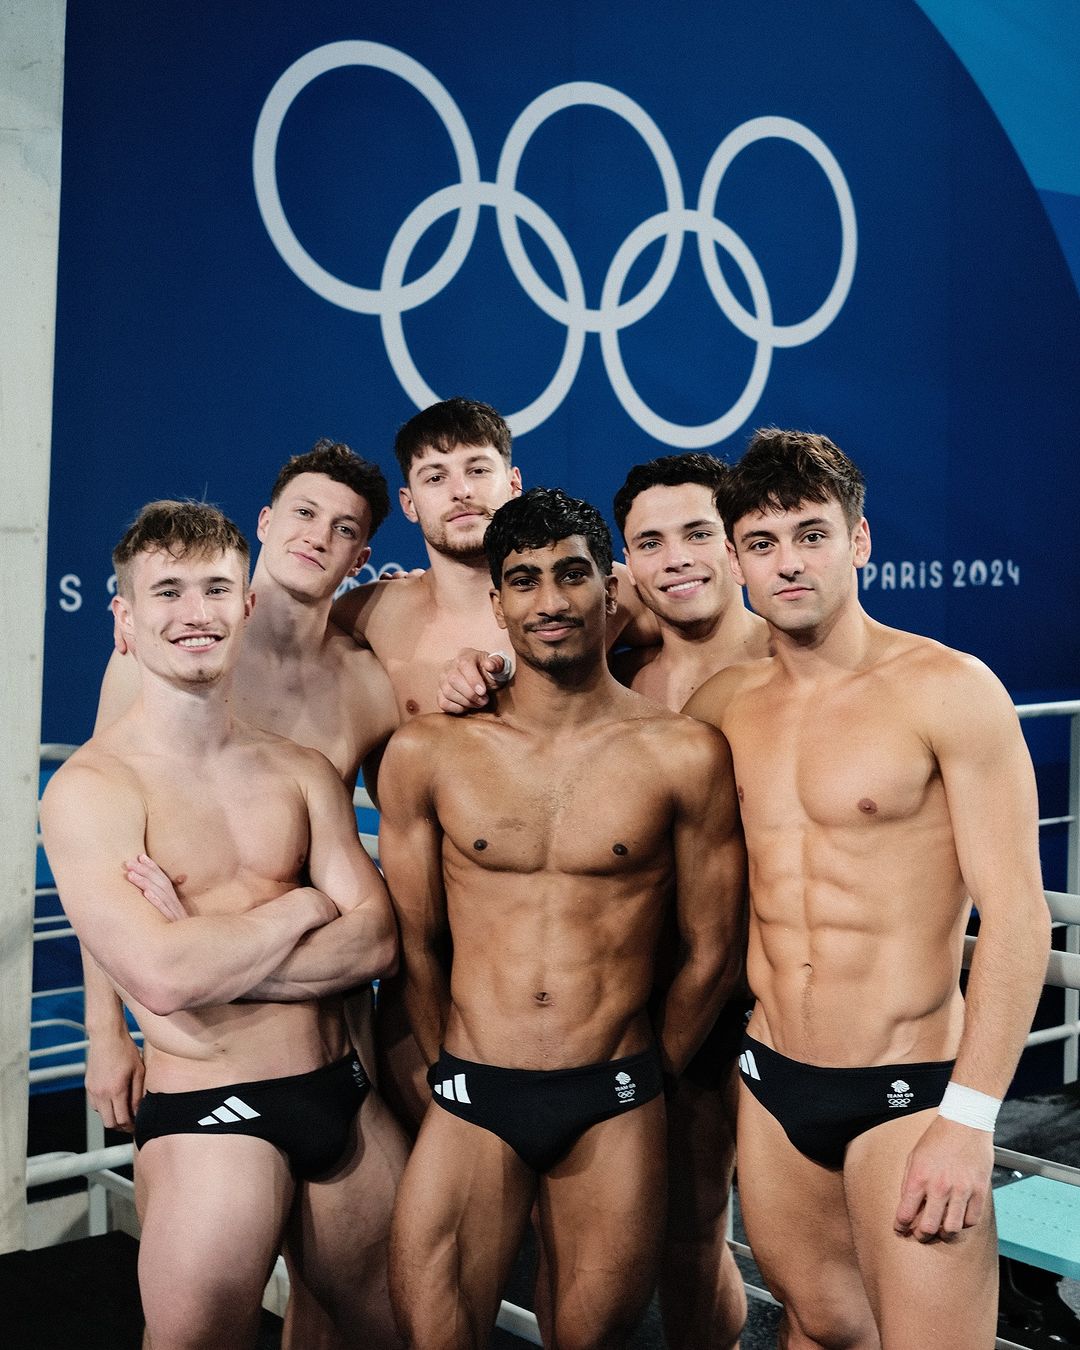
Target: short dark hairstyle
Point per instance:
(457, 421)
(781, 469)
(343, 465)
(540, 517)
(178, 528)
(668, 471)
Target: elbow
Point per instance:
(161, 997)
(164, 992)
(386, 956)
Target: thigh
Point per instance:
(701, 1157)
(602, 1212)
(923, 1293)
(461, 1212)
(212, 1210)
(796, 1221)
(338, 1235)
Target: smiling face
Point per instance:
(553, 603)
(314, 535)
(184, 616)
(799, 566)
(452, 495)
(676, 553)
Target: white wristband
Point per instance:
(968, 1107)
(505, 675)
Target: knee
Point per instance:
(823, 1328)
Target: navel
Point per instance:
(542, 997)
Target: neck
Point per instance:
(282, 623)
(838, 644)
(568, 699)
(717, 641)
(458, 585)
(186, 720)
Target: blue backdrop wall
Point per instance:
(632, 227)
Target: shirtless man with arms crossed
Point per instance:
(545, 841)
(300, 676)
(676, 556)
(253, 1089)
(884, 786)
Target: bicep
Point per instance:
(337, 863)
(989, 784)
(90, 830)
(710, 855)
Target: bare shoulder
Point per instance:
(376, 606)
(943, 687)
(96, 773)
(721, 692)
(674, 742)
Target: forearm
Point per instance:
(103, 1009)
(1008, 969)
(691, 1005)
(208, 960)
(427, 1001)
(353, 950)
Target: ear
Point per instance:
(361, 559)
(496, 605)
(733, 562)
(123, 618)
(249, 604)
(629, 569)
(404, 496)
(264, 522)
(515, 482)
(611, 596)
(861, 541)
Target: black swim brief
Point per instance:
(712, 1064)
(823, 1110)
(308, 1115)
(541, 1113)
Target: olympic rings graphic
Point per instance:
(394, 297)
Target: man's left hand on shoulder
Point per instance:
(946, 1182)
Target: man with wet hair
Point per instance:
(677, 560)
(298, 675)
(884, 787)
(542, 843)
(213, 871)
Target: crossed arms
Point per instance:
(313, 940)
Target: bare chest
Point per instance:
(228, 839)
(842, 763)
(538, 811)
(414, 652)
(321, 706)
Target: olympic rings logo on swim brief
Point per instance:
(394, 297)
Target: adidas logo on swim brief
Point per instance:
(625, 1087)
(901, 1096)
(748, 1064)
(228, 1114)
(453, 1089)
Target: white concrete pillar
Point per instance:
(31, 101)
